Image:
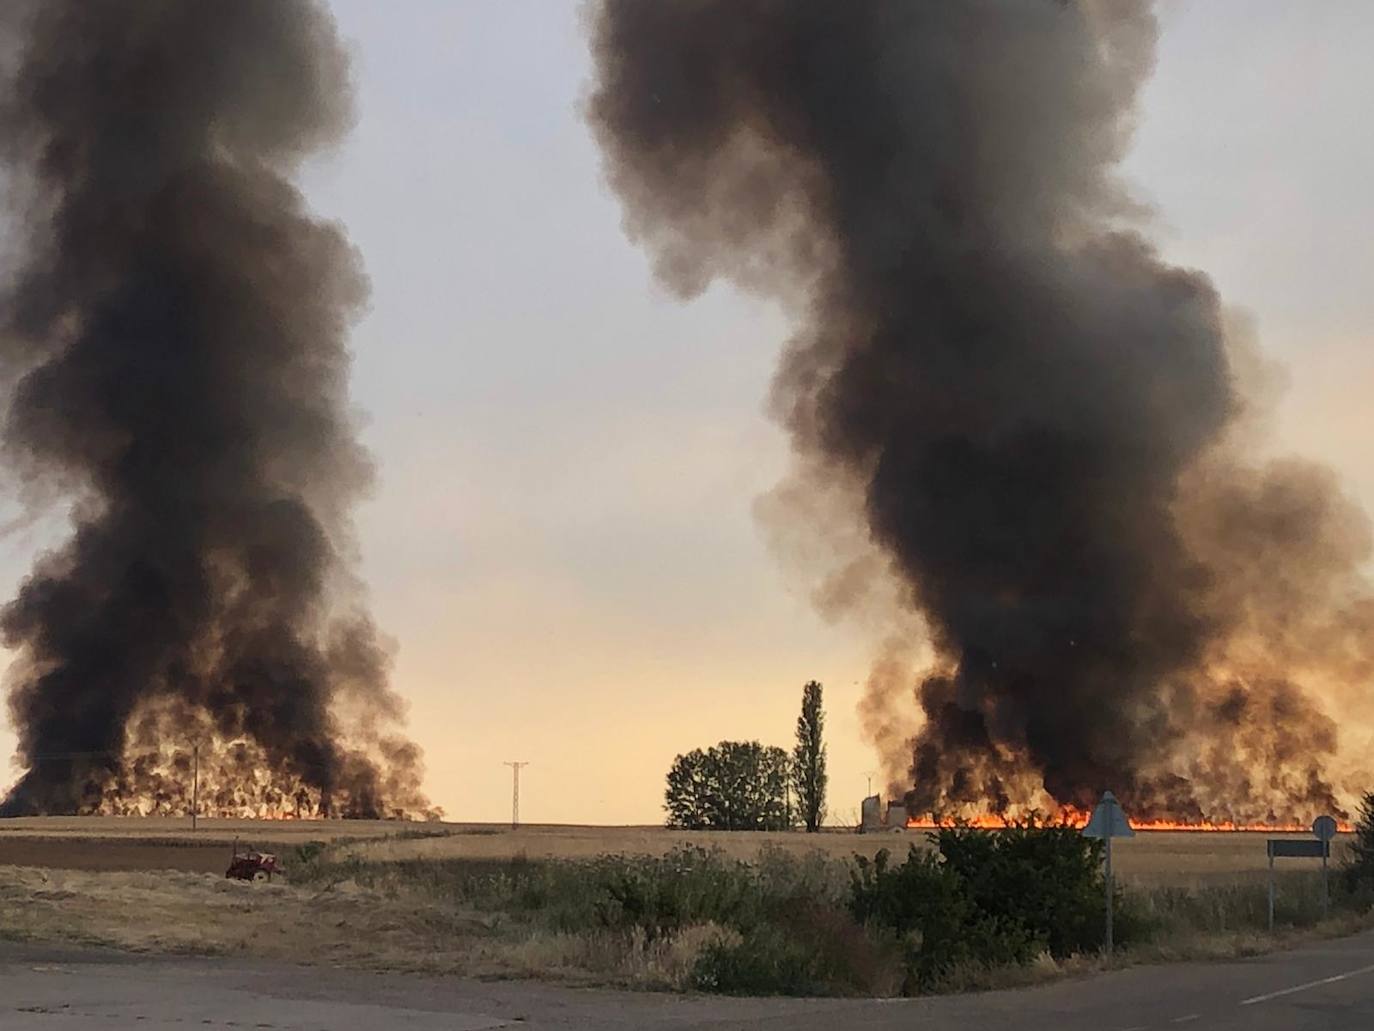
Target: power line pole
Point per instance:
(195, 784)
(515, 793)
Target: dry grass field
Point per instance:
(381, 894)
(205, 914)
(1153, 857)
(129, 844)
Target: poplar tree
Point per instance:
(808, 759)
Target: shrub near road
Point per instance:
(985, 899)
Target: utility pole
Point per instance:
(515, 794)
(195, 784)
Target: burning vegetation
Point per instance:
(174, 341)
(1007, 410)
(1079, 818)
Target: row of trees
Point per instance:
(744, 785)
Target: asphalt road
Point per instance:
(1329, 986)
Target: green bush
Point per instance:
(687, 886)
(1045, 880)
(307, 854)
(762, 963)
(984, 898)
(1357, 873)
(925, 906)
(808, 949)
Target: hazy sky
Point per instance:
(561, 538)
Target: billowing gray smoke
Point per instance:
(174, 335)
(1040, 419)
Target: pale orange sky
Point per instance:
(562, 540)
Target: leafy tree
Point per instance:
(689, 798)
(808, 758)
(735, 785)
(1359, 866)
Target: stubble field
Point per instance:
(484, 900)
(153, 843)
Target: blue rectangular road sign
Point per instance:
(1291, 849)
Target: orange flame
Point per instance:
(1079, 818)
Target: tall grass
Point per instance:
(774, 925)
(1221, 920)
(813, 925)
(1227, 908)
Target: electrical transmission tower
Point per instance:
(515, 794)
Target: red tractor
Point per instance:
(252, 866)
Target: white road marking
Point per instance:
(1310, 984)
(1185, 1020)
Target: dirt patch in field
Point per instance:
(113, 855)
(107, 843)
(174, 828)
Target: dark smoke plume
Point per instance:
(174, 333)
(1042, 423)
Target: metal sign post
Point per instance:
(1108, 881)
(1108, 821)
(1324, 828)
